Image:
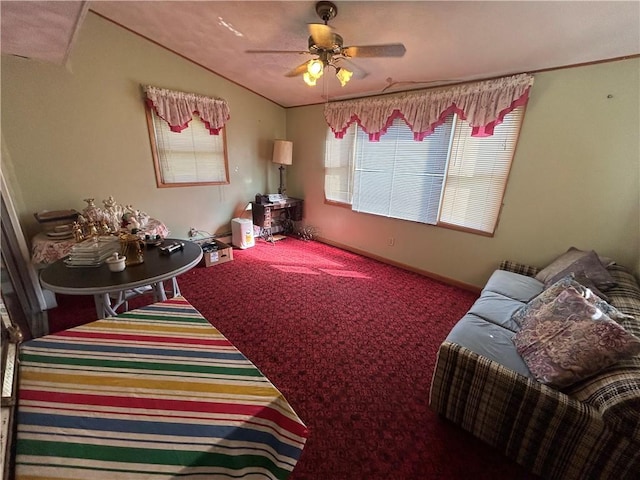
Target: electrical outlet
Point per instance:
(391, 242)
(192, 232)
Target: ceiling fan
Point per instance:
(327, 47)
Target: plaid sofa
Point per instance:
(589, 431)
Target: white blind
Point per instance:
(399, 177)
(338, 166)
(191, 156)
(477, 174)
(448, 179)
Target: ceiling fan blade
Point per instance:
(299, 52)
(388, 50)
(322, 34)
(299, 70)
(358, 72)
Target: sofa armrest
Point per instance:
(540, 428)
(615, 391)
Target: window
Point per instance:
(190, 157)
(449, 179)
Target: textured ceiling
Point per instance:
(452, 41)
(40, 30)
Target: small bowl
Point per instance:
(116, 264)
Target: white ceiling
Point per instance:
(40, 30)
(444, 40)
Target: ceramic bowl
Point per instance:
(116, 264)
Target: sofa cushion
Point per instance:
(569, 339)
(497, 308)
(581, 263)
(513, 285)
(489, 340)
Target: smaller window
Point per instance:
(190, 157)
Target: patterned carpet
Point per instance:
(351, 343)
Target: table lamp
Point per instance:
(282, 155)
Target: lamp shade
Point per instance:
(283, 152)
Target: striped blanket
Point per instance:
(153, 393)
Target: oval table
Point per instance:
(106, 285)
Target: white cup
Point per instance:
(116, 262)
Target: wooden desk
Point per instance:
(104, 284)
(264, 214)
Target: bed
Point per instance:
(154, 393)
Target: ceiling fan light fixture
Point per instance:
(343, 75)
(309, 80)
(315, 68)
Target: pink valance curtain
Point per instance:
(177, 108)
(483, 105)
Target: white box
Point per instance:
(242, 233)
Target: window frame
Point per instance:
(439, 222)
(160, 182)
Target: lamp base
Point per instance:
(281, 189)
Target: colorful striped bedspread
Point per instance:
(153, 393)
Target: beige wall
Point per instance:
(78, 132)
(574, 182)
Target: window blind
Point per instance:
(191, 156)
(449, 179)
(338, 164)
(399, 177)
(477, 174)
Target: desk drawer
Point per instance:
(267, 218)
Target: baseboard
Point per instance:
(433, 276)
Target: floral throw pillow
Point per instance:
(569, 339)
(552, 292)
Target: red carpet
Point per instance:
(351, 343)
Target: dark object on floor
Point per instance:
(307, 232)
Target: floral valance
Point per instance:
(483, 105)
(177, 108)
